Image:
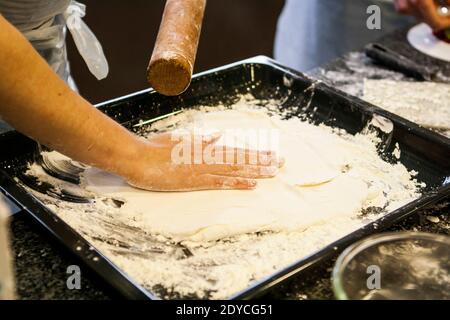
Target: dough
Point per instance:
(211, 215)
(315, 185)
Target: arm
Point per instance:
(35, 101)
(39, 104)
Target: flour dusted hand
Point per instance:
(166, 162)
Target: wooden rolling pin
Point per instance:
(172, 63)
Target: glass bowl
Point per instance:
(394, 266)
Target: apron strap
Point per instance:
(87, 44)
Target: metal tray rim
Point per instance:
(259, 287)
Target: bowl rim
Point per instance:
(353, 250)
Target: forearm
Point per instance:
(39, 104)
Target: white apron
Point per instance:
(43, 22)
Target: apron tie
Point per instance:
(86, 42)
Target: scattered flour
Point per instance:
(349, 77)
(421, 102)
(215, 265)
(425, 103)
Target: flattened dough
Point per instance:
(312, 188)
(211, 215)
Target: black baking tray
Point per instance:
(422, 150)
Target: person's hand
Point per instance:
(156, 167)
(425, 11)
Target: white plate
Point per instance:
(422, 38)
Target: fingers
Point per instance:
(215, 182)
(173, 137)
(426, 11)
(243, 171)
(204, 165)
(193, 183)
(241, 163)
(211, 139)
(230, 156)
(202, 149)
(254, 157)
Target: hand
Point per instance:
(156, 169)
(424, 10)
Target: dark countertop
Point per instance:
(41, 263)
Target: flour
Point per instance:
(422, 102)
(170, 255)
(349, 77)
(425, 103)
(325, 176)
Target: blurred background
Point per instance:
(232, 30)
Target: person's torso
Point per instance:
(43, 23)
(313, 32)
(27, 15)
